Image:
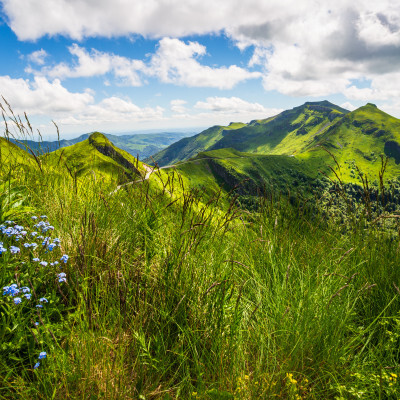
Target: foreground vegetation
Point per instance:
(169, 293)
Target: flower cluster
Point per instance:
(28, 253)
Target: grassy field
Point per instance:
(173, 292)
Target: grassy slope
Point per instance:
(359, 139)
(163, 302)
(84, 157)
(189, 147)
(287, 133)
(226, 168)
(143, 144)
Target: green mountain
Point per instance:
(289, 132)
(97, 154)
(358, 140)
(191, 146)
(142, 145)
(247, 173)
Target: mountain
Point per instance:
(97, 154)
(358, 140)
(249, 173)
(191, 146)
(143, 145)
(286, 133)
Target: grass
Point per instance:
(172, 294)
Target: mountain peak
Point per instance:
(98, 138)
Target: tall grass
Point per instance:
(171, 297)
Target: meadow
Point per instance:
(164, 291)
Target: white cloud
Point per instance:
(95, 63)
(173, 62)
(176, 62)
(40, 97)
(38, 57)
(178, 106)
(231, 105)
(348, 106)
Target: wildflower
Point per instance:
(57, 241)
(43, 263)
(51, 246)
(34, 234)
(36, 323)
(36, 259)
(14, 249)
(2, 249)
(36, 365)
(9, 222)
(40, 237)
(43, 300)
(43, 354)
(25, 289)
(34, 217)
(64, 258)
(43, 216)
(62, 277)
(39, 306)
(28, 296)
(11, 290)
(17, 300)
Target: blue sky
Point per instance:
(126, 66)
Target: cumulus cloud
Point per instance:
(302, 48)
(176, 62)
(95, 63)
(178, 106)
(173, 62)
(40, 96)
(232, 108)
(38, 57)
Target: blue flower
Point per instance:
(36, 259)
(39, 306)
(14, 249)
(17, 300)
(34, 234)
(36, 365)
(62, 277)
(43, 300)
(34, 217)
(36, 323)
(28, 296)
(2, 249)
(64, 258)
(25, 289)
(43, 354)
(57, 240)
(43, 216)
(43, 263)
(51, 246)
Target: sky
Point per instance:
(123, 66)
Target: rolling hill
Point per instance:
(286, 133)
(96, 154)
(142, 145)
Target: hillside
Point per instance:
(10, 155)
(143, 145)
(358, 140)
(286, 133)
(99, 155)
(249, 174)
(191, 146)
